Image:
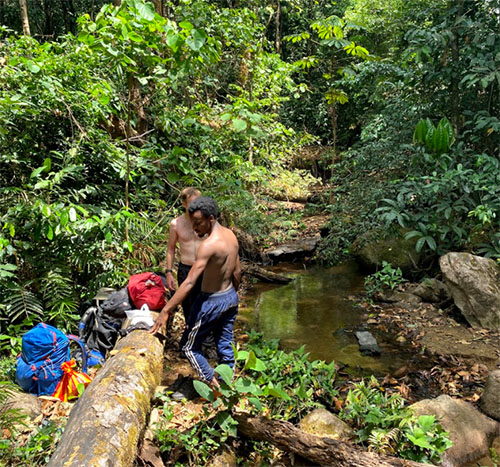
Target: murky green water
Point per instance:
(318, 309)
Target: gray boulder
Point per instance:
(321, 422)
(474, 283)
(432, 291)
(490, 400)
(25, 404)
(367, 343)
(470, 430)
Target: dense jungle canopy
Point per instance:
(108, 110)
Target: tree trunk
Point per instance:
(323, 451)
(264, 275)
(158, 6)
(105, 424)
(24, 17)
(455, 75)
(135, 98)
(333, 120)
(277, 40)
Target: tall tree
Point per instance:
(24, 17)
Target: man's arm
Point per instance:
(237, 273)
(181, 293)
(172, 241)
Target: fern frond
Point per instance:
(20, 302)
(60, 297)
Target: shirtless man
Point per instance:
(215, 308)
(181, 232)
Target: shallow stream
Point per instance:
(319, 309)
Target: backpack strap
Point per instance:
(76, 339)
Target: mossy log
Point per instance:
(265, 275)
(322, 451)
(106, 422)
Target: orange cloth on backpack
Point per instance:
(72, 383)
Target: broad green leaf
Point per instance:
(420, 441)
(426, 422)
(186, 25)
(278, 393)
(256, 402)
(146, 10)
(46, 211)
(225, 420)
(64, 219)
(226, 372)
(246, 386)
(239, 125)
(225, 116)
(108, 237)
(172, 177)
(124, 32)
(50, 233)
(204, 390)
(173, 41)
(250, 360)
(196, 40)
(242, 355)
(47, 164)
(32, 66)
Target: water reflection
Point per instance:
(317, 309)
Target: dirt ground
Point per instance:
(450, 357)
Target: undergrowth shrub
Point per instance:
(387, 426)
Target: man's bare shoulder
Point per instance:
(174, 223)
(229, 234)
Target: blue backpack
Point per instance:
(44, 349)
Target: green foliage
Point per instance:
(386, 278)
(37, 450)
(437, 139)
(452, 205)
(387, 426)
(267, 381)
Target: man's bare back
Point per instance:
(220, 249)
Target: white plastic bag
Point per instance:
(142, 315)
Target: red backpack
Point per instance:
(147, 288)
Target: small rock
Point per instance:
(432, 291)
(401, 339)
(367, 343)
(394, 296)
(490, 400)
(225, 459)
(321, 422)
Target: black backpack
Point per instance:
(99, 330)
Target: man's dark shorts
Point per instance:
(182, 273)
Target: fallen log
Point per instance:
(264, 274)
(323, 451)
(106, 422)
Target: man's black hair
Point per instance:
(206, 205)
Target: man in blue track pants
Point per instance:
(216, 307)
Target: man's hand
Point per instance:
(159, 323)
(170, 282)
